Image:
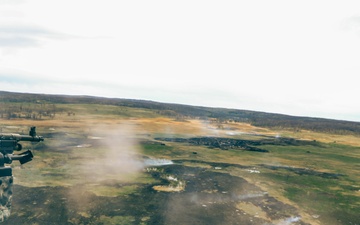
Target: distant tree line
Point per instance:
(45, 107)
(34, 111)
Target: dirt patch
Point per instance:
(175, 185)
(249, 208)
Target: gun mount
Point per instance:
(10, 143)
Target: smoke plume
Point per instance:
(118, 154)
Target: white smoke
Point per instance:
(157, 162)
(118, 156)
(249, 196)
(290, 220)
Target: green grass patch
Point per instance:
(316, 195)
(108, 191)
(156, 149)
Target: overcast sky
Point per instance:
(291, 57)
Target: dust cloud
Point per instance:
(117, 155)
(113, 159)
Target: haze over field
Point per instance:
(297, 58)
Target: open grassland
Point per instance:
(102, 149)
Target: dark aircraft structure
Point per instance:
(8, 144)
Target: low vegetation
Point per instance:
(116, 161)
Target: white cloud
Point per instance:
(25, 36)
(351, 24)
(280, 56)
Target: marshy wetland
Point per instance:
(115, 164)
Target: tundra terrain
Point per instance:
(105, 161)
